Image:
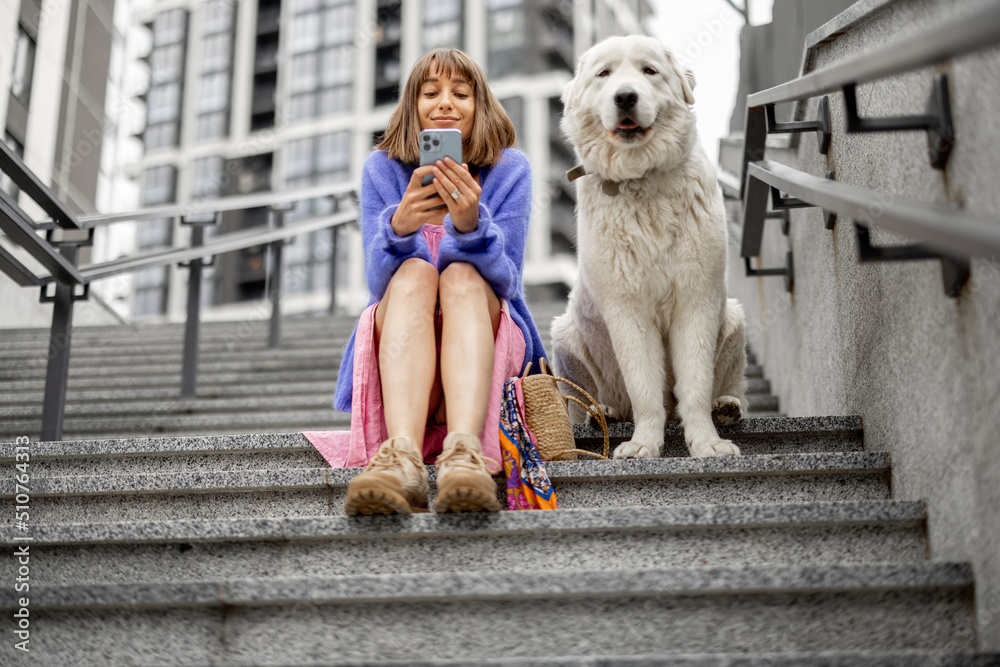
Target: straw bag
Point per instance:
(546, 412)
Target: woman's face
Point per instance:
(446, 102)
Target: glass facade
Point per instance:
(442, 24)
(388, 37)
(322, 65)
(166, 80)
(159, 186)
(322, 159)
(216, 71)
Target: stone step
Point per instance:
(867, 607)
(265, 451)
(208, 374)
(78, 397)
(754, 435)
(633, 538)
(252, 493)
(246, 429)
(319, 399)
(80, 359)
(811, 659)
(244, 328)
(172, 378)
(164, 421)
(112, 371)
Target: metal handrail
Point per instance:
(217, 245)
(951, 230)
(221, 205)
(30, 184)
(948, 234)
(16, 224)
(60, 258)
(949, 38)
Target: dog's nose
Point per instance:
(626, 99)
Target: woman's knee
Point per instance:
(461, 279)
(415, 278)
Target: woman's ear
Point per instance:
(687, 83)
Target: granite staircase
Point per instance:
(233, 549)
(125, 381)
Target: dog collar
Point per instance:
(610, 188)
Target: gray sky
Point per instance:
(705, 36)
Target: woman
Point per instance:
(446, 291)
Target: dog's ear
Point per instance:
(687, 83)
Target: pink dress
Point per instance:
(355, 448)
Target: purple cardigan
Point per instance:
(495, 248)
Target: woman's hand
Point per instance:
(414, 211)
(460, 193)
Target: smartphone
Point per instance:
(436, 145)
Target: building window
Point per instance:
(323, 159)
(208, 177)
(387, 53)
(166, 80)
(159, 186)
(265, 67)
(322, 58)
(24, 67)
(529, 37)
(442, 24)
(216, 71)
(507, 36)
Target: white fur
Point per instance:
(648, 329)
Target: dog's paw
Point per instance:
(611, 416)
(727, 410)
(636, 450)
(714, 448)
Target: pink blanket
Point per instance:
(355, 448)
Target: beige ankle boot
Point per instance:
(394, 481)
(463, 478)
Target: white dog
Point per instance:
(648, 329)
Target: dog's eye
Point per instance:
(650, 71)
(603, 72)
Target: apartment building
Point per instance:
(272, 95)
(61, 68)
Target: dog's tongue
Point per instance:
(628, 124)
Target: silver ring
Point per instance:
(455, 194)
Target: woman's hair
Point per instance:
(492, 130)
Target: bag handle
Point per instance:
(592, 409)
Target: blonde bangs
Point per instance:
(492, 129)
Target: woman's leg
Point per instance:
(407, 350)
(395, 479)
(470, 313)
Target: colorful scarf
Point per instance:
(528, 486)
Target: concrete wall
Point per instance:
(882, 340)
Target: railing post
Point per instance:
(192, 325)
(277, 213)
(754, 140)
(60, 337)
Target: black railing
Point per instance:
(66, 233)
(946, 234)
